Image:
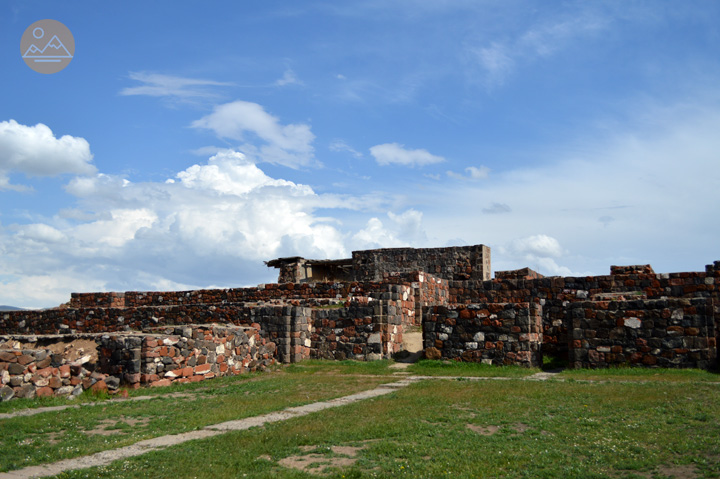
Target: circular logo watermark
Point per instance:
(47, 46)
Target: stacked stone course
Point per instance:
(663, 332)
(185, 354)
(491, 333)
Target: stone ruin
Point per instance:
(361, 308)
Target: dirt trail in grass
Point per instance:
(106, 457)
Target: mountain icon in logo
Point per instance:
(52, 49)
(43, 55)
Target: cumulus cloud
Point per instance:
(155, 84)
(35, 151)
(539, 252)
(402, 229)
(213, 225)
(288, 145)
(395, 153)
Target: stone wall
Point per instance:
(365, 330)
(184, 354)
(494, 333)
(662, 332)
(454, 263)
(27, 373)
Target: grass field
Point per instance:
(622, 424)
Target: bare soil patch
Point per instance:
(108, 427)
(483, 430)
(321, 460)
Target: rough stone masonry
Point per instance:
(360, 308)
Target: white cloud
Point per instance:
(288, 145)
(340, 145)
(640, 192)
(499, 59)
(155, 84)
(395, 153)
(536, 246)
(403, 229)
(472, 173)
(214, 224)
(495, 60)
(35, 151)
(288, 78)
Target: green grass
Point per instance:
(342, 367)
(642, 374)
(466, 429)
(426, 367)
(635, 423)
(51, 436)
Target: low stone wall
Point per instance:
(509, 333)
(677, 333)
(28, 373)
(185, 354)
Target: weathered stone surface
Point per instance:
(432, 353)
(6, 393)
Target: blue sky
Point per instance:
(186, 142)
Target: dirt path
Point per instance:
(106, 457)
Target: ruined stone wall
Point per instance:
(184, 354)
(556, 293)
(27, 373)
(494, 333)
(455, 263)
(365, 330)
(662, 332)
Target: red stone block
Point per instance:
(74, 381)
(489, 345)
(25, 359)
(187, 372)
(649, 360)
(55, 382)
(64, 371)
(148, 378)
(8, 357)
(44, 392)
(150, 343)
(223, 367)
(195, 379)
(160, 383)
(99, 386)
(45, 372)
(202, 369)
(692, 331)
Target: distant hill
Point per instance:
(4, 307)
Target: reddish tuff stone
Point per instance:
(160, 383)
(99, 386)
(44, 392)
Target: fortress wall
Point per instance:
(454, 263)
(674, 333)
(491, 333)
